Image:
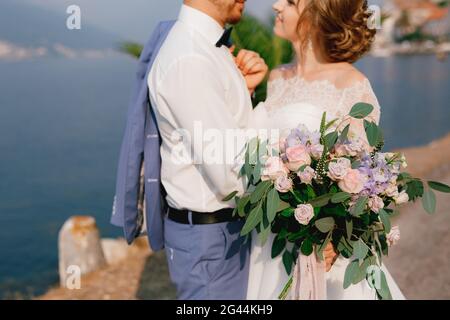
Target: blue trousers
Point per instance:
(207, 262)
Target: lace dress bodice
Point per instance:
(294, 100)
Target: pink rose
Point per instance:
(273, 168)
(283, 184)
(376, 204)
(353, 182)
(307, 175)
(297, 156)
(352, 149)
(304, 213)
(337, 170)
(316, 151)
(394, 236)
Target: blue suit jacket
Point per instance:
(142, 142)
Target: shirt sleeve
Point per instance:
(194, 96)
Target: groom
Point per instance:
(193, 86)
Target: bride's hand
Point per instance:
(252, 66)
(330, 256)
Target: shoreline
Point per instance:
(127, 278)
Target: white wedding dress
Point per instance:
(291, 101)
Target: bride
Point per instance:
(328, 36)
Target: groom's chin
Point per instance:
(234, 18)
(236, 12)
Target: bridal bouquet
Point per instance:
(330, 186)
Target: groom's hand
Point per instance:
(330, 256)
(252, 66)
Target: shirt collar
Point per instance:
(201, 22)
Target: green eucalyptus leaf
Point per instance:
(254, 218)
(372, 132)
(384, 217)
(297, 235)
(340, 197)
(414, 189)
(241, 205)
(361, 110)
(321, 201)
(307, 247)
(257, 173)
(351, 272)
(283, 205)
(331, 139)
(324, 245)
(438, 186)
(360, 249)
(384, 291)
(349, 228)
(344, 133)
(247, 167)
(260, 190)
(264, 234)
(230, 196)
(359, 207)
(362, 274)
(278, 246)
(330, 124)
(288, 261)
(253, 151)
(325, 224)
(273, 202)
(429, 201)
(288, 212)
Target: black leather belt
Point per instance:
(219, 216)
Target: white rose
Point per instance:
(392, 191)
(337, 170)
(376, 204)
(283, 184)
(273, 168)
(394, 236)
(401, 198)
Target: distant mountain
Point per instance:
(28, 25)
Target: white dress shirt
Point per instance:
(195, 84)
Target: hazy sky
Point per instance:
(134, 19)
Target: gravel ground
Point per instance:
(420, 262)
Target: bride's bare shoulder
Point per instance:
(348, 75)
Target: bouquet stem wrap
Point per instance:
(309, 279)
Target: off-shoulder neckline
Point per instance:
(297, 79)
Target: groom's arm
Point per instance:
(194, 96)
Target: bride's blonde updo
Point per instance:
(339, 28)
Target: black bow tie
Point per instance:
(225, 40)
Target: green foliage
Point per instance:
(438, 186)
(252, 34)
(131, 48)
(429, 201)
(361, 110)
